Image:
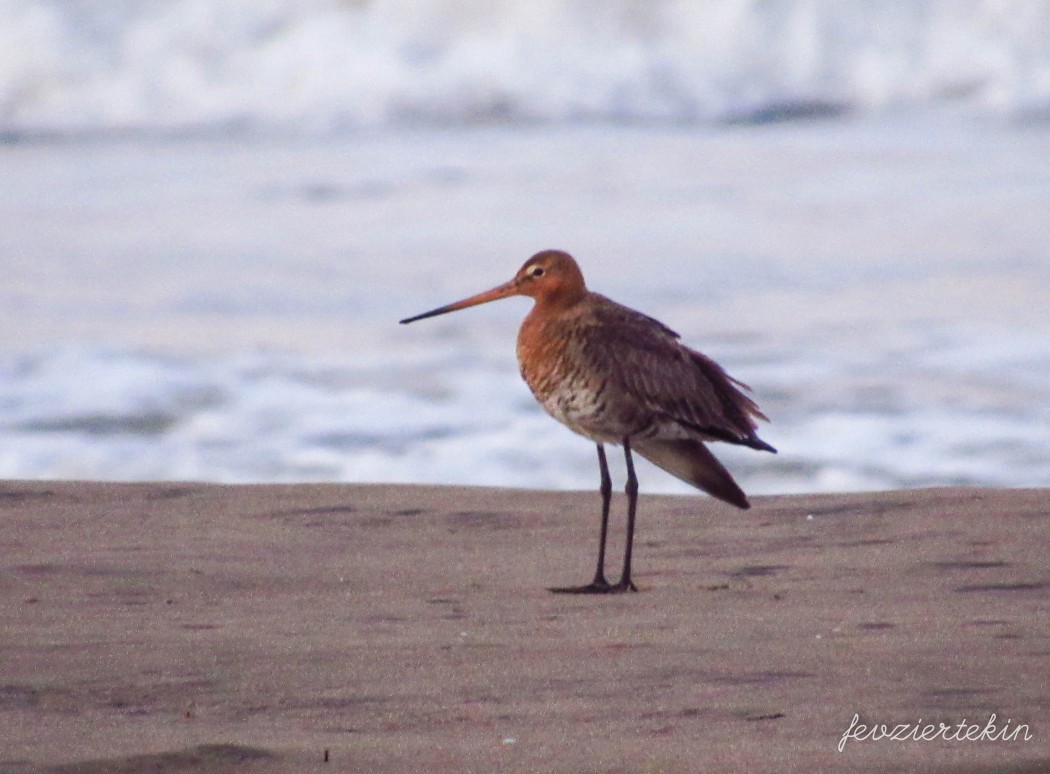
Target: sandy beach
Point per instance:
(170, 627)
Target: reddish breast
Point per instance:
(553, 349)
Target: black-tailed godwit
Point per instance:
(617, 376)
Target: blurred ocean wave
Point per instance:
(843, 202)
(469, 420)
(324, 66)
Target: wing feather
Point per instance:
(665, 382)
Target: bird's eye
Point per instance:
(536, 271)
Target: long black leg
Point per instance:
(631, 489)
(599, 585)
(606, 490)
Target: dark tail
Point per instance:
(692, 462)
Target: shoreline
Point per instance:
(178, 626)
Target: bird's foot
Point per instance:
(597, 586)
(623, 586)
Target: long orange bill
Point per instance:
(503, 291)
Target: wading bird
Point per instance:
(617, 376)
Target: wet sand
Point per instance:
(179, 627)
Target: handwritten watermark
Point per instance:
(918, 732)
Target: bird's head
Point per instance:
(550, 277)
